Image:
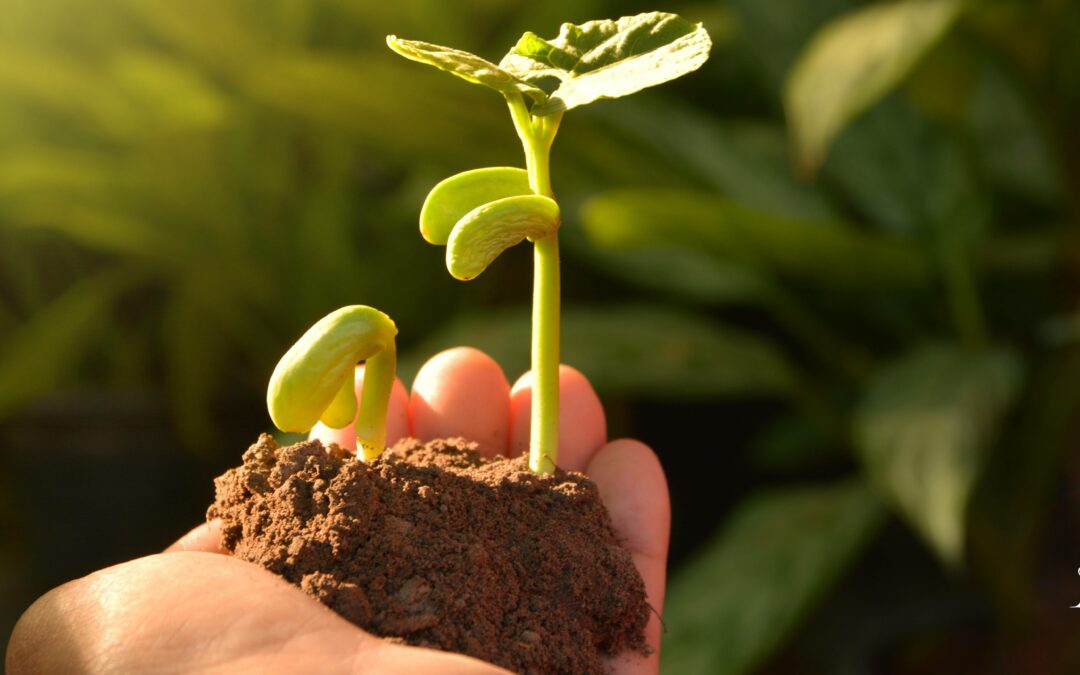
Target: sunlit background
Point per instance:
(831, 278)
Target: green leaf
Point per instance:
(450, 200)
(830, 254)
(609, 59)
(40, 353)
(779, 554)
(469, 67)
(923, 430)
(855, 60)
(748, 162)
(488, 230)
(683, 273)
(674, 354)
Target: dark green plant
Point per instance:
(479, 214)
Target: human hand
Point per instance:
(188, 610)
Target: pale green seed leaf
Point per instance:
(609, 59)
(923, 430)
(467, 66)
(738, 599)
(450, 200)
(315, 369)
(854, 61)
(488, 230)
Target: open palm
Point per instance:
(191, 609)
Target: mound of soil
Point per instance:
(433, 545)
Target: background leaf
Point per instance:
(749, 587)
(828, 253)
(673, 354)
(40, 353)
(923, 430)
(855, 60)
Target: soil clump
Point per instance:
(436, 546)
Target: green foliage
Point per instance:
(776, 557)
(40, 353)
(924, 429)
(854, 61)
(674, 354)
(829, 254)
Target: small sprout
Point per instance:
(314, 380)
(479, 214)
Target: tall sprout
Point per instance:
(479, 214)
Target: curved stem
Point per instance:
(374, 399)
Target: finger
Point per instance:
(582, 425)
(634, 489)
(197, 612)
(462, 392)
(205, 538)
(397, 418)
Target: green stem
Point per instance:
(537, 135)
(962, 291)
(374, 399)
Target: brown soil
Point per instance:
(435, 546)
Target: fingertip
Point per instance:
(462, 392)
(397, 417)
(582, 423)
(635, 490)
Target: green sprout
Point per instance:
(314, 380)
(479, 214)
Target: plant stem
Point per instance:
(537, 134)
(370, 425)
(962, 291)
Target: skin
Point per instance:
(193, 610)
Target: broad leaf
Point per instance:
(450, 200)
(673, 354)
(780, 553)
(748, 162)
(609, 59)
(467, 66)
(855, 60)
(42, 351)
(829, 253)
(488, 230)
(923, 429)
(684, 273)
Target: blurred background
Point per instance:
(831, 277)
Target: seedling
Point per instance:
(479, 214)
(314, 380)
